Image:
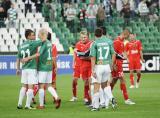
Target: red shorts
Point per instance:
(76, 72)
(135, 65)
(86, 72)
(119, 72)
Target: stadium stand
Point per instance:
(53, 19)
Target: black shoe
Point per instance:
(95, 109)
(87, 103)
(29, 108)
(114, 103)
(19, 107)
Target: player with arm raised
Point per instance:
(29, 69)
(135, 56)
(117, 73)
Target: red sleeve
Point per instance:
(54, 51)
(116, 46)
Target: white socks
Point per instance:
(29, 97)
(41, 97)
(108, 92)
(96, 100)
(53, 92)
(102, 100)
(21, 95)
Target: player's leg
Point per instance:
(23, 89)
(124, 91)
(30, 95)
(138, 70)
(97, 84)
(41, 96)
(102, 99)
(131, 69)
(76, 76)
(138, 78)
(87, 98)
(131, 79)
(21, 96)
(107, 89)
(32, 80)
(35, 91)
(52, 91)
(114, 79)
(42, 80)
(95, 100)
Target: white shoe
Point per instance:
(137, 85)
(129, 102)
(132, 86)
(73, 99)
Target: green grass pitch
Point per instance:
(147, 99)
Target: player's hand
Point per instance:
(17, 72)
(24, 60)
(143, 60)
(94, 74)
(114, 67)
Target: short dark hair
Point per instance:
(49, 37)
(104, 30)
(28, 32)
(98, 32)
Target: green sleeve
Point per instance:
(36, 43)
(93, 50)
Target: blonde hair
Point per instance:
(83, 33)
(43, 32)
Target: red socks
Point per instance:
(138, 77)
(132, 79)
(124, 90)
(74, 88)
(86, 92)
(36, 88)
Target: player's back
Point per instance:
(104, 50)
(45, 60)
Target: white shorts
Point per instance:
(45, 77)
(103, 73)
(29, 76)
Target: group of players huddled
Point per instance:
(98, 63)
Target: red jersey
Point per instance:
(54, 51)
(118, 45)
(86, 47)
(77, 59)
(133, 49)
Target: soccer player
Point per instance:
(135, 56)
(76, 73)
(82, 65)
(85, 64)
(117, 73)
(45, 69)
(101, 54)
(29, 69)
(54, 70)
